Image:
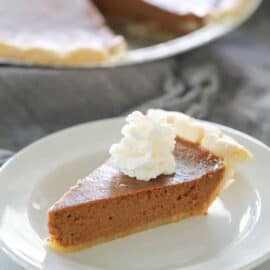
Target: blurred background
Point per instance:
(226, 81)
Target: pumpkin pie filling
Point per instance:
(108, 203)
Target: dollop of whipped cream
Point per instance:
(146, 149)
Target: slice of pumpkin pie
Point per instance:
(167, 166)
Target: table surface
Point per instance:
(226, 81)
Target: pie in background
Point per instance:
(75, 32)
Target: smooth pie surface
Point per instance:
(108, 182)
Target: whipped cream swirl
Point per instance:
(146, 149)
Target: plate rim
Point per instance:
(31, 266)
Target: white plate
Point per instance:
(150, 52)
(235, 234)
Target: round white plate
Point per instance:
(234, 235)
(149, 52)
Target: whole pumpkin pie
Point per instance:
(116, 200)
(75, 32)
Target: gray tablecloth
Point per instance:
(227, 82)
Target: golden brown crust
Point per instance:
(207, 136)
(79, 56)
(229, 9)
